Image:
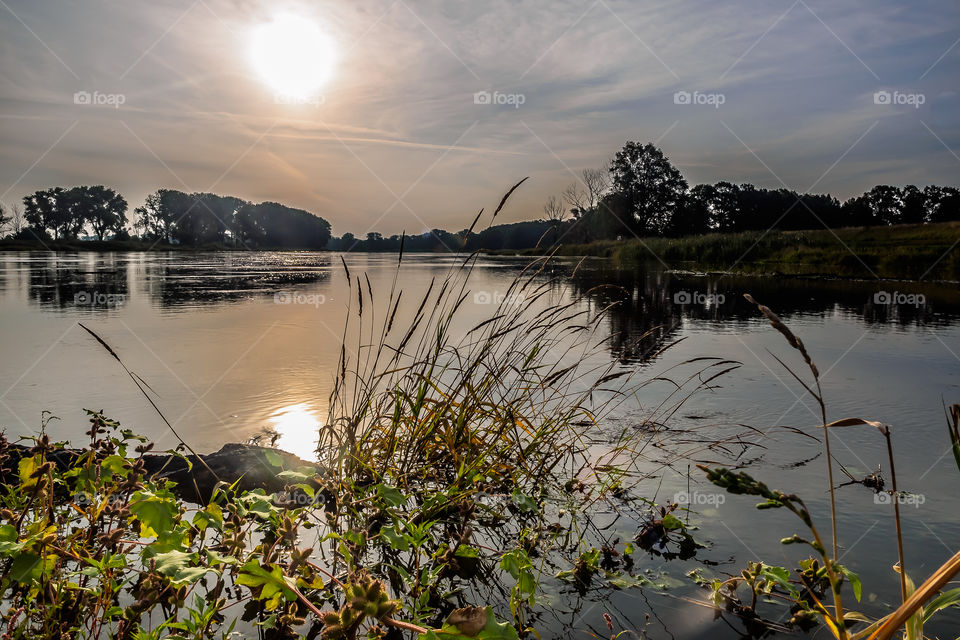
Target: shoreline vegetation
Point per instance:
(907, 232)
(906, 252)
(926, 252)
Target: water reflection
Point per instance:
(651, 305)
(296, 428)
(103, 282)
(91, 282)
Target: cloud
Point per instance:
(797, 80)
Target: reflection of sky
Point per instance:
(798, 80)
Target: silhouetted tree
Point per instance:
(49, 211)
(103, 208)
(650, 185)
(553, 208)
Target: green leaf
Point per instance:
(854, 582)
(466, 551)
(155, 512)
(169, 563)
(27, 568)
(397, 541)
(524, 502)
(391, 495)
(272, 584)
(212, 516)
(946, 599)
(8, 539)
(625, 580)
(274, 459)
(26, 467)
(672, 523)
(115, 466)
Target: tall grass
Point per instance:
(905, 251)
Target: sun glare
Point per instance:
(292, 55)
(298, 428)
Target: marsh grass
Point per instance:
(903, 251)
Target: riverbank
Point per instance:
(910, 252)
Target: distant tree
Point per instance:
(553, 208)
(575, 197)
(884, 204)
(270, 225)
(693, 217)
(17, 222)
(5, 218)
(596, 182)
(943, 203)
(159, 213)
(49, 211)
(103, 208)
(913, 205)
(652, 188)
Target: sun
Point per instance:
(292, 55)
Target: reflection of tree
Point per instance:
(228, 277)
(57, 282)
(649, 304)
(104, 281)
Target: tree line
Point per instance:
(642, 193)
(167, 216)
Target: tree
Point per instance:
(49, 210)
(104, 209)
(884, 204)
(943, 203)
(4, 218)
(693, 218)
(914, 205)
(554, 210)
(597, 183)
(575, 197)
(652, 187)
(272, 225)
(17, 223)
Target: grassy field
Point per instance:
(925, 252)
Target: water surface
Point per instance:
(240, 345)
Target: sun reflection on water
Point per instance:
(298, 429)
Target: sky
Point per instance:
(811, 95)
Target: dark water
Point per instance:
(236, 345)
